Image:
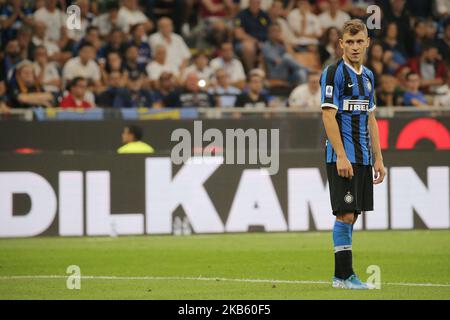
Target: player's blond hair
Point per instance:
(353, 27)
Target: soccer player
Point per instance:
(353, 145)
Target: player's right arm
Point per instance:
(330, 84)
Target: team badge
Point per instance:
(369, 86)
(348, 198)
(329, 91)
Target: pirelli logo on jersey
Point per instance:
(356, 105)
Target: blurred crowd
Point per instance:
(213, 53)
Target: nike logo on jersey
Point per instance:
(350, 85)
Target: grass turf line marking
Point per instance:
(40, 277)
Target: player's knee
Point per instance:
(346, 218)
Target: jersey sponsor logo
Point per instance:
(355, 105)
(329, 91)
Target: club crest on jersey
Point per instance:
(369, 86)
(355, 105)
(348, 198)
(329, 91)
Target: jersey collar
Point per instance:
(353, 69)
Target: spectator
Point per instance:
(83, 66)
(265, 4)
(397, 13)
(132, 140)
(444, 44)
(251, 28)
(55, 21)
(10, 59)
(177, 10)
(114, 84)
(75, 98)
(24, 36)
(413, 96)
(392, 44)
(114, 43)
(138, 37)
(201, 67)
(160, 64)
(24, 91)
(46, 72)
(112, 64)
(232, 66)
(388, 93)
(134, 95)
(167, 94)
(277, 15)
(430, 68)
(130, 14)
(307, 96)
(223, 94)
(305, 25)
(107, 21)
(133, 68)
(279, 60)
(40, 39)
(420, 30)
(92, 37)
(177, 51)
(328, 45)
(333, 17)
(376, 61)
(13, 16)
(442, 98)
(254, 97)
(193, 95)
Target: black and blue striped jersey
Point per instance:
(352, 94)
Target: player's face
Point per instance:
(354, 47)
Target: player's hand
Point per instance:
(344, 167)
(379, 172)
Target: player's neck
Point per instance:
(357, 67)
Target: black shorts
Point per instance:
(351, 195)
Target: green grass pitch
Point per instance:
(414, 265)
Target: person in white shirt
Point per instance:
(46, 72)
(442, 97)
(224, 94)
(130, 14)
(200, 67)
(54, 19)
(230, 64)
(177, 51)
(83, 66)
(307, 96)
(108, 21)
(159, 65)
(40, 39)
(333, 17)
(304, 24)
(265, 4)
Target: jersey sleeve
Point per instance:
(330, 84)
(372, 95)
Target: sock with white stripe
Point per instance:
(342, 239)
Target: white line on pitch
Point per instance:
(37, 277)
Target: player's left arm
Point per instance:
(378, 166)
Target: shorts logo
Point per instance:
(348, 198)
(329, 91)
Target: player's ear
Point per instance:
(341, 43)
(368, 42)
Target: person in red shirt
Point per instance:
(75, 97)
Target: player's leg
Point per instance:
(342, 241)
